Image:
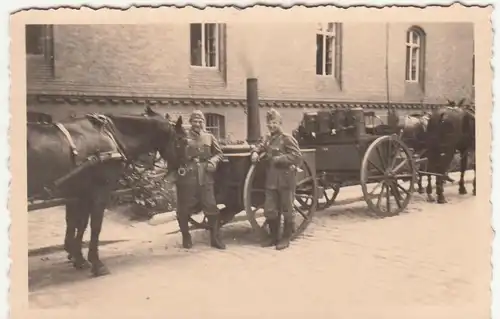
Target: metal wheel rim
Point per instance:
(388, 185)
(247, 199)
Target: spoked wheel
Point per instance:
(388, 176)
(327, 195)
(306, 190)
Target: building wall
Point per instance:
(153, 60)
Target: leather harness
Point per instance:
(107, 127)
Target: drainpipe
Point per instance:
(392, 117)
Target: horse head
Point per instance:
(145, 133)
(179, 145)
(174, 151)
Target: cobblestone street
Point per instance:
(431, 262)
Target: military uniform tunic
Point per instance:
(195, 189)
(282, 157)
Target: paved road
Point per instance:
(431, 262)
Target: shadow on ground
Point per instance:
(54, 269)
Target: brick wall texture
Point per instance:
(153, 61)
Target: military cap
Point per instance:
(273, 115)
(197, 114)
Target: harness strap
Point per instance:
(109, 128)
(66, 134)
(91, 160)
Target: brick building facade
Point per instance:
(73, 69)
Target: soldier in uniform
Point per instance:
(282, 154)
(195, 186)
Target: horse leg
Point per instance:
(419, 184)
(96, 220)
(440, 190)
(463, 166)
(71, 222)
(430, 198)
(78, 217)
(444, 163)
(83, 222)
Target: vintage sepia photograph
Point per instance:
(233, 166)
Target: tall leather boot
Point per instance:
(287, 235)
(187, 241)
(215, 240)
(272, 240)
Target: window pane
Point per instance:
(408, 57)
(330, 27)
(408, 36)
(415, 37)
(214, 124)
(196, 45)
(211, 44)
(414, 63)
(34, 39)
(319, 54)
(329, 55)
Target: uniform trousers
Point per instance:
(279, 199)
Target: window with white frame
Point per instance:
(215, 124)
(414, 55)
(205, 45)
(327, 49)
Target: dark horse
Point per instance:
(82, 160)
(451, 128)
(413, 132)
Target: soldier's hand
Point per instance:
(211, 167)
(254, 157)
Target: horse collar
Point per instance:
(66, 134)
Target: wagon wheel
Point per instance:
(389, 171)
(329, 195)
(326, 196)
(254, 197)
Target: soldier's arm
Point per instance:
(259, 147)
(217, 153)
(293, 154)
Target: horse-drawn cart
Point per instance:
(348, 154)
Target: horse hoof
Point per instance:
(474, 192)
(462, 191)
(81, 264)
(431, 199)
(442, 201)
(101, 270)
